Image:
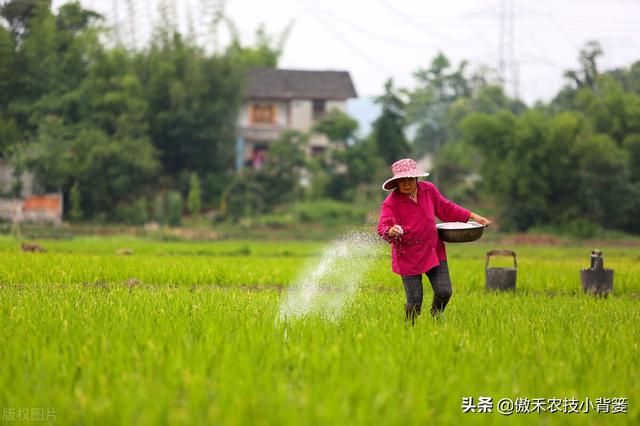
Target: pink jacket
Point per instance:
(419, 249)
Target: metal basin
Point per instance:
(459, 232)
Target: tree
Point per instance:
(329, 174)
(632, 146)
(587, 76)
(20, 14)
(9, 136)
(75, 208)
(194, 199)
(74, 19)
(174, 208)
(438, 87)
(76, 108)
(388, 129)
(338, 126)
(7, 69)
(193, 102)
(106, 170)
(278, 182)
(527, 164)
(265, 52)
(604, 177)
(281, 174)
(584, 78)
(243, 197)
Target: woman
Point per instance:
(408, 222)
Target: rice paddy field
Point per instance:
(182, 333)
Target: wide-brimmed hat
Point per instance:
(402, 169)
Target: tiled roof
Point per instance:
(298, 84)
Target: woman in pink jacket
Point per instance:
(408, 222)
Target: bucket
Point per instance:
(597, 280)
(501, 278)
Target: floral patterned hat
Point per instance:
(401, 169)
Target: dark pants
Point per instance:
(441, 284)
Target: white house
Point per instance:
(277, 100)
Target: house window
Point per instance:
(318, 108)
(263, 114)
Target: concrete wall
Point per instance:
(301, 115)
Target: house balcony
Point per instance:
(261, 133)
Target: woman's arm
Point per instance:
(448, 211)
(387, 227)
(481, 220)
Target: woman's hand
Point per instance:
(395, 231)
(481, 220)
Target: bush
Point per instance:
(276, 220)
(575, 228)
(158, 214)
(329, 212)
(213, 185)
(75, 211)
(243, 198)
(194, 199)
(132, 214)
(174, 208)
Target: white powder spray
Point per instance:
(327, 285)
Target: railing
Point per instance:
(261, 132)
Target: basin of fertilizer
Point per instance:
(459, 232)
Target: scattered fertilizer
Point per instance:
(326, 285)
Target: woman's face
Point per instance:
(407, 185)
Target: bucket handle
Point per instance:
(501, 253)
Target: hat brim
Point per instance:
(390, 184)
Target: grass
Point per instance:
(193, 343)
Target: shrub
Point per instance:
(132, 214)
(174, 208)
(276, 220)
(158, 213)
(574, 228)
(329, 212)
(194, 199)
(75, 211)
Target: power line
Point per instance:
(350, 45)
(413, 23)
(367, 32)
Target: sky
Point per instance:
(380, 39)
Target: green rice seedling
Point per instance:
(186, 333)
